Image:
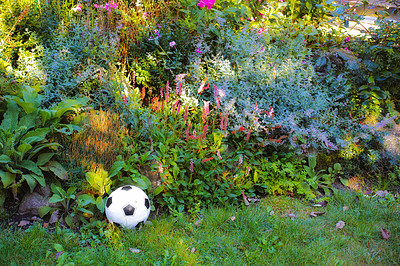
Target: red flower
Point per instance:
(208, 159)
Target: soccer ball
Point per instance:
(127, 206)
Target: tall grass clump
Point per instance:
(97, 145)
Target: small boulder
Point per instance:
(33, 201)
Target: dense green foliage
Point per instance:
(218, 104)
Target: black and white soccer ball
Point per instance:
(127, 206)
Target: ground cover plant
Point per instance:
(210, 107)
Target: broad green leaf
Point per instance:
(12, 170)
(36, 135)
(86, 199)
(30, 180)
(47, 114)
(140, 183)
(44, 158)
(10, 117)
(70, 192)
(58, 247)
(115, 168)
(7, 178)
(85, 211)
(23, 148)
(158, 190)
(93, 179)
(57, 169)
(4, 159)
(175, 171)
(100, 204)
(31, 166)
(44, 210)
(28, 121)
(55, 198)
(69, 105)
(40, 179)
(67, 129)
(40, 147)
(69, 220)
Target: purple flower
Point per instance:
(206, 3)
(172, 44)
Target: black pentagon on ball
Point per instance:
(147, 203)
(129, 210)
(126, 188)
(109, 201)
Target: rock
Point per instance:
(32, 202)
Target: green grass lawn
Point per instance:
(278, 230)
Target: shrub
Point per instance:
(254, 71)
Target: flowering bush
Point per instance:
(253, 71)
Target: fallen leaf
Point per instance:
(385, 233)
(340, 225)
(246, 202)
(381, 193)
(315, 214)
(58, 254)
(322, 203)
(232, 218)
(34, 218)
(345, 208)
(23, 223)
(134, 250)
(292, 216)
(198, 222)
(253, 200)
(192, 250)
(54, 217)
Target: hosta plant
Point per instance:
(25, 148)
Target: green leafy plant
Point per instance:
(25, 148)
(321, 179)
(73, 207)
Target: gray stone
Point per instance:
(32, 202)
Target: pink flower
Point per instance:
(188, 131)
(96, 6)
(185, 117)
(198, 51)
(191, 165)
(204, 134)
(167, 92)
(226, 122)
(219, 155)
(172, 44)
(248, 134)
(174, 105)
(77, 8)
(248, 170)
(208, 159)
(206, 3)
(125, 100)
